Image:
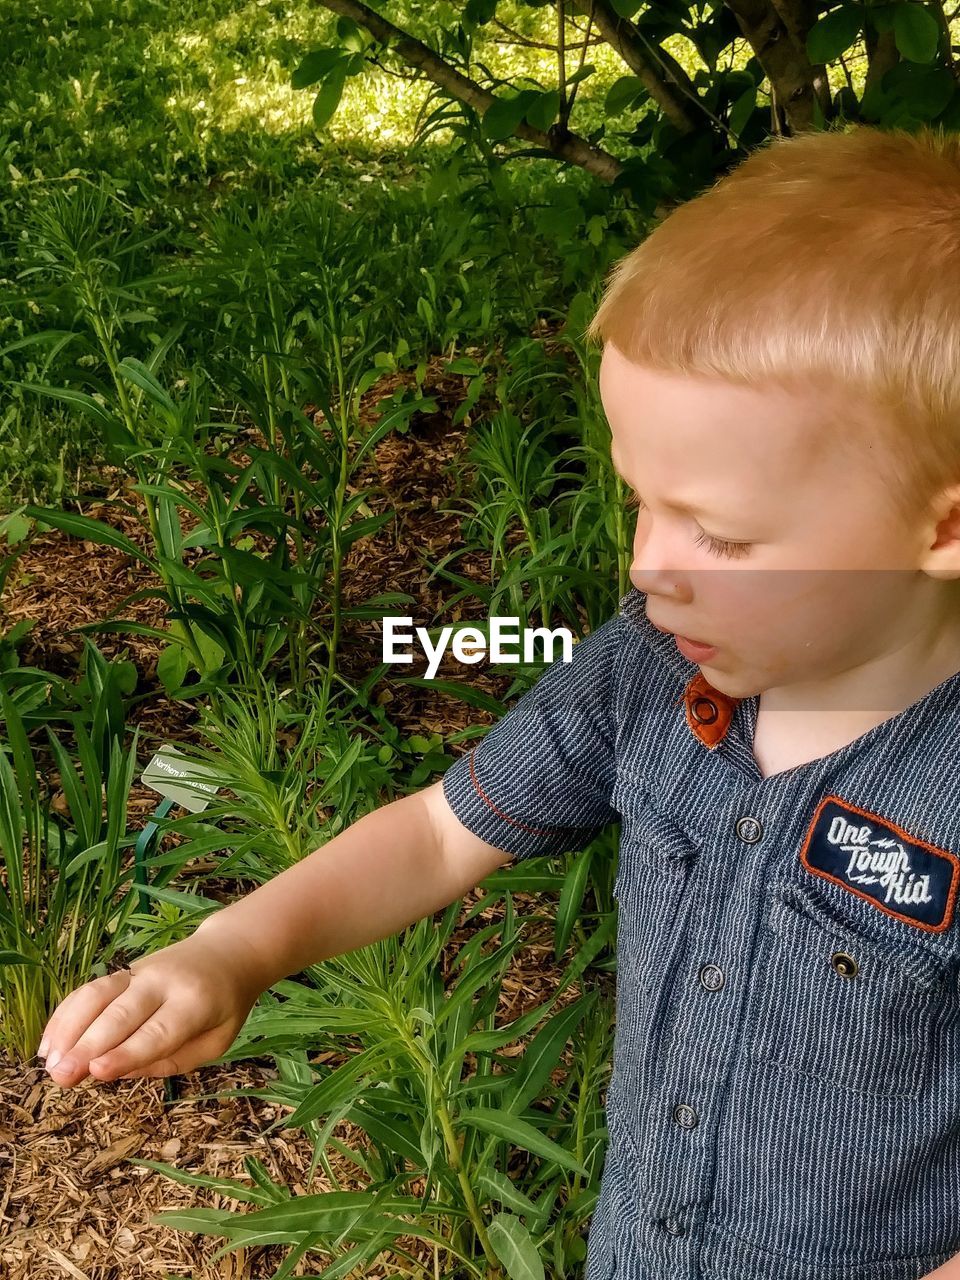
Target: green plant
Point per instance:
(429, 1087)
(62, 872)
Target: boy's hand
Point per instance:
(166, 1014)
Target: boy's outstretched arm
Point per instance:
(392, 867)
(185, 1004)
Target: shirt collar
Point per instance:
(709, 713)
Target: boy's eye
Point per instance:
(718, 546)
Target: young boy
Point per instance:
(772, 716)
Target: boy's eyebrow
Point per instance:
(674, 506)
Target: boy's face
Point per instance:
(826, 579)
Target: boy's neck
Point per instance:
(798, 723)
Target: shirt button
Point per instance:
(844, 964)
(674, 1227)
(749, 830)
(685, 1115)
(704, 710)
(711, 977)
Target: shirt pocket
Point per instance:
(842, 1005)
(652, 888)
(655, 861)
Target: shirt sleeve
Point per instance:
(540, 780)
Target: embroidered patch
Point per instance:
(873, 857)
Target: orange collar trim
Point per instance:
(709, 712)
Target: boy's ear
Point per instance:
(942, 557)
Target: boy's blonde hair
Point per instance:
(825, 259)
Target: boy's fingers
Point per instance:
(159, 1041)
(193, 1054)
(110, 1027)
(77, 1010)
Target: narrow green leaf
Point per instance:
(226, 1186)
(542, 1056)
(386, 1129)
(76, 399)
(478, 976)
(570, 906)
(520, 1133)
(133, 370)
(335, 1088)
(326, 1212)
(499, 1188)
(86, 527)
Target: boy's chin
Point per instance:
(730, 683)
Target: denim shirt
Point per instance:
(785, 1096)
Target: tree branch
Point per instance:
(947, 38)
(661, 75)
(565, 146)
(527, 43)
(777, 34)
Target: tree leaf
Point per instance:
(479, 12)
(328, 99)
(916, 92)
(350, 35)
(501, 118)
(742, 110)
(315, 66)
(916, 32)
(627, 92)
(543, 111)
(829, 37)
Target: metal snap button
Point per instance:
(674, 1227)
(685, 1115)
(704, 710)
(711, 977)
(844, 964)
(749, 830)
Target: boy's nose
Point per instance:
(666, 584)
(657, 564)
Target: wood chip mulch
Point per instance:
(71, 1203)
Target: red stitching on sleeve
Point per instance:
(537, 831)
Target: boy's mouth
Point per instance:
(693, 650)
(696, 650)
(689, 639)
